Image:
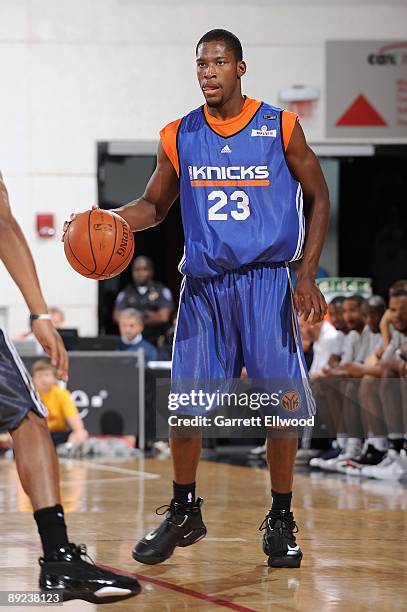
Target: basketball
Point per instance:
(99, 244)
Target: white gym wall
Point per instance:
(77, 71)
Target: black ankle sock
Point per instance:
(396, 444)
(281, 501)
(52, 528)
(184, 493)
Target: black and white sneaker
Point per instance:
(182, 527)
(279, 540)
(69, 574)
(368, 456)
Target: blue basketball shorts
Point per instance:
(17, 392)
(245, 317)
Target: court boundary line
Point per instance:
(214, 599)
(110, 468)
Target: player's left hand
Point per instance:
(308, 300)
(52, 344)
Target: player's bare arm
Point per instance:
(306, 169)
(152, 207)
(161, 192)
(16, 256)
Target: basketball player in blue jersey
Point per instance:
(63, 567)
(241, 168)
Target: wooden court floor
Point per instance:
(353, 534)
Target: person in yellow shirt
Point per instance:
(64, 421)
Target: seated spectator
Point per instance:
(57, 317)
(58, 320)
(131, 334)
(335, 312)
(307, 340)
(149, 297)
(383, 393)
(341, 407)
(63, 419)
(386, 326)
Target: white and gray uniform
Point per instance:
(17, 392)
(357, 347)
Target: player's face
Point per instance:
(353, 315)
(398, 309)
(44, 380)
(218, 72)
(336, 317)
(130, 328)
(373, 317)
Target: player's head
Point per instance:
(130, 324)
(142, 270)
(353, 312)
(43, 375)
(398, 309)
(373, 309)
(335, 310)
(57, 317)
(400, 284)
(219, 65)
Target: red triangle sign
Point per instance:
(360, 113)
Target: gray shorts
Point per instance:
(17, 392)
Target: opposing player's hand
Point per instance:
(308, 300)
(71, 218)
(52, 344)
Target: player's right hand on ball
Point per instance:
(52, 344)
(71, 218)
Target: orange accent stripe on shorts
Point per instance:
(235, 183)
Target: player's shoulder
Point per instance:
(192, 117)
(266, 106)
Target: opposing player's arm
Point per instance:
(161, 192)
(16, 256)
(305, 167)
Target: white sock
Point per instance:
(379, 443)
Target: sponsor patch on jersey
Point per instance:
(270, 117)
(263, 131)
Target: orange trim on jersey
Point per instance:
(234, 183)
(234, 124)
(288, 122)
(168, 137)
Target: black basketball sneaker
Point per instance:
(279, 540)
(182, 527)
(68, 573)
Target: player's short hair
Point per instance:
(337, 301)
(399, 292)
(376, 302)
(130, 313)
(225, 36)
(399, 284)
(356, 298)
(42, 365)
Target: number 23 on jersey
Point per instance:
(237, 205)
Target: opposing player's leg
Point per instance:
(206, 351)
(274, 359)
(63, 567)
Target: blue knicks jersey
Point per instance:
(239, 201)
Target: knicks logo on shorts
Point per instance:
(291, 401)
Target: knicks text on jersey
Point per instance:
(240, 203)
